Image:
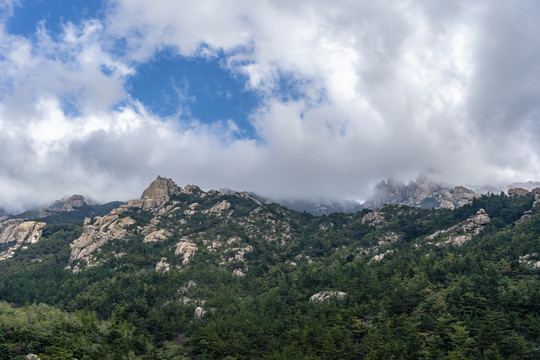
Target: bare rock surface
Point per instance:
(156, 195)
(185, 248)
(17, 232)
(461, 233)
(517, 192)
(219, 209)
(532, 259)
(157, 236)
(98, 233)
(327, 296)
(163, 266)
(526, 215)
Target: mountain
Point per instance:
(182, 273)
(421, 192)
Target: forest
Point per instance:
(407, 294)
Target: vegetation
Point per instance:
(423, 300)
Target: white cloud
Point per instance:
(380, 89)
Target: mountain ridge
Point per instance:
(193, 274)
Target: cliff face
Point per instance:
(17, 233)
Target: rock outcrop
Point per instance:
(526, 215)
(327, 296)
(185, 248)
(462, 232)
(102, 229)
(163, 266)
(157, 236)
(374, 218)
(531, 260)
(98, 233)
(517, 192)
(156, 195)
(16, 233)
(219, 209)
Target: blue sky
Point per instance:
(200, 87)
(288, 99)
(167, 84)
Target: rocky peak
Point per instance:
(72, 202)
(160, 190)
(156, 195)
(66, 204)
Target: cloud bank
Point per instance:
(373, 90)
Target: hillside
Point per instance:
(183, 273)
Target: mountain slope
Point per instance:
(208, 275)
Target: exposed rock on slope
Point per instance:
(463, 232)
(16, 233)
(327, 296)
(517, 192)
(184, 220)
(95, 235)
(531, 259)
(186, 249)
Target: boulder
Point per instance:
(481, 218)
(199, 313)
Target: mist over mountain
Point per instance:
(423, 192)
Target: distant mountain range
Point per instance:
(421, 192)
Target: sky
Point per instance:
(289, 99)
